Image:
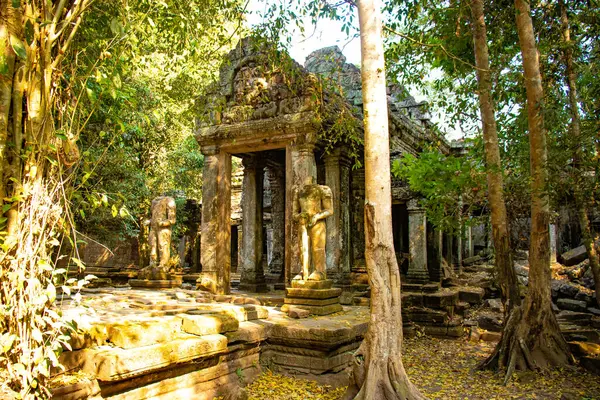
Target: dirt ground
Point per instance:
(444, 369)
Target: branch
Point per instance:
(449, 54)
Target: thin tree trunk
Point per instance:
(575, 128)
(531, 338)
(378, 372)
(504, 262)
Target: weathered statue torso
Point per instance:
(159, 238)
(312, 204)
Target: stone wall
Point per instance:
(122, 255)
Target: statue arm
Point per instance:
(296, 215)
(326, 203)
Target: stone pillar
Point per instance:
(337, 177)
(434, 252)
(553, 247)
(470, 245)
(300, 163)
(277, 182)
(252, 277)
(216, 221)
(358, 221)
(417, 232)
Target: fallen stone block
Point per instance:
(471, 260)
(574, 256)
(297, 313)
(487, 336)
(441, 299)
(494, 305)
(490, 321)
(471, 295)
(577, 318)
(249, 332)
(208, 324)
(573, 305)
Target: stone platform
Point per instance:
(173, 343)
(317, 297)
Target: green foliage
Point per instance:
(451, 186)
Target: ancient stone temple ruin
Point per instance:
(282, 208)
(278, 117)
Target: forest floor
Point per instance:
(444, 369)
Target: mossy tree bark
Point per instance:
(531, 338)
(378, 372)
(575, 130)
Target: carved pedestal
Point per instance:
(317, 297)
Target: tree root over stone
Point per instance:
(531, 340)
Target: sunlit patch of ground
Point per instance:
(444, 369)
(273, 386)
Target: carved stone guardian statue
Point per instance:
(312, 205)
(159, 243)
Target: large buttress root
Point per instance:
(531, 340)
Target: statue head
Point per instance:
(309, 180)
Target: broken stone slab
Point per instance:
(249, 332)
(242, 312)
(115, 364)
(346, 298)
(311, 302)
(297, 312)
(208, 324)
(573, 305)
(574, 256)
(563, 288)
(316, 310)
(495, 305)
(471, 295)
(313, 293)
(490, 321)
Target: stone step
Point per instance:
(471, 295)
(313, 293)
(441, 299)
(244, 312)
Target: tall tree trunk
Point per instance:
(495, 180)
(575, 128)
(531, 338)
(378, 372)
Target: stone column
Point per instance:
(470, 245)
(252, 277)
(300, 163)
(417, 232)
(277, 182)
(216, 221)
(358, 221)
(553, 247)
(434, 253)
(337, 177)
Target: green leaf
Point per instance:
(114, 211)
(18, 47)
(16, 3)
